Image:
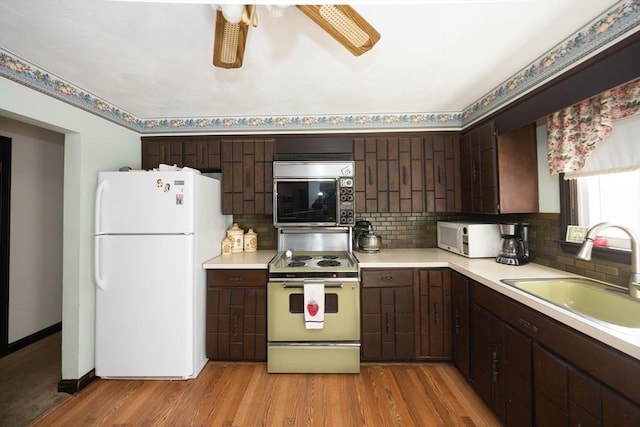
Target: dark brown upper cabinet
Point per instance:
(442, 173)
(499, 173)
(247, 176)
(389, 174)
(202, 152)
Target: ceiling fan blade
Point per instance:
(345, 25)
(229, 42)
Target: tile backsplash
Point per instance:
(418, 230)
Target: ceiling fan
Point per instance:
(341, 22)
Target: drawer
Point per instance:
(387, 277)
(236, 277)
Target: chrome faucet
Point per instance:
(587, 246)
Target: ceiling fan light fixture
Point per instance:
(345, 25)
(229, 51)
(229, 42)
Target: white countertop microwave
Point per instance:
(470, 239)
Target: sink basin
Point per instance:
(607, 304)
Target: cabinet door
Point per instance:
(442, 173)
(157, 150)
(518, 170)
(502, 368)
(202, 153)
(565, 395)
(434, 315)
(409, 176)
(388, 315)
(488, 169)
(468, 171)
(460, 319)
(388, 174)
(247, 176)
(236, 323)
(499, 173)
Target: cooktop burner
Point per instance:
(314, 265)
(329, 263)
(296, 264)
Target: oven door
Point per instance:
(285, 319)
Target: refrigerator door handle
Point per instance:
(99, 191)
(96, 265)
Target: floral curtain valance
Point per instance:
(574, 132)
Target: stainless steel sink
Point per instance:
(609, 305)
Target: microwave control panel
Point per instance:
(347, 202)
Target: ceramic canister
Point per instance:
(250, 241)
(236, 233)
(227, 245)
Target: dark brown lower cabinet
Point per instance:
(502, 368)
(387, 315)
(236, 315)
(565, 396)
(460, 322)
(533, 370)
(434, 314)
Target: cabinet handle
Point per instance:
(439, 174)
(404, 175)
(163, 154)
(494, 366)
(474, 171)
(528, 325)
(436, 314)
(236, 279)
(369, 175)
(200, 154)
(457, 323)
(386, 322)
(386, 279)
(234, 325)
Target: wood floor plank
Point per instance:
(244, 394)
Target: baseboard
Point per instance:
(74, 386)
(23, 342)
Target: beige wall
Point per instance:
(35, 269)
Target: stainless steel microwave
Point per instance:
(473, 240)
(313, 193)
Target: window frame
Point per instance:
(569, 215)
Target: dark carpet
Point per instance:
(29, 382)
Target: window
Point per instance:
(607, 189)
(611, 198)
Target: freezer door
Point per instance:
(145, 203)
(145, 307)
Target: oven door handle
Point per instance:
(285, 286)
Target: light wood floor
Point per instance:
(244, 394)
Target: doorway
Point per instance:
(5, 197)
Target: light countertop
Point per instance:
(246, 260)
(483, 270)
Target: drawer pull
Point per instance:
(236, 278)
(528, 325)
(494, 366)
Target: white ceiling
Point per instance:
(154, 60)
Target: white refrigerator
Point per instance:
(154, 230)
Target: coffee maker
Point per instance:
(515, 243)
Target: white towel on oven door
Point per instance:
(314, 305)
